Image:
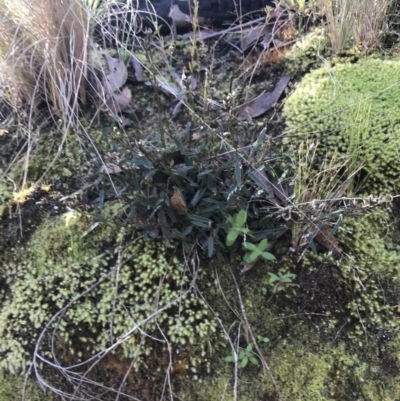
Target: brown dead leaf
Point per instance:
(330, 243)
(247, 267)
(124, 122)
(262, 103)
(254, 35)
(120, 101)
(178, 203)
(200, 34)
(110, 168)
(138, 68)
(178, 17)
(116, 74)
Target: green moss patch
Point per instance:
(65, 257)
(352, 109)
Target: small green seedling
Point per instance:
(281, 281)
(263, 339)
(237, 222)
(244, 356)
(256, 251)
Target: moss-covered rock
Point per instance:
(351, 109)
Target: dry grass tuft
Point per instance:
(43, 53)
(361, 21)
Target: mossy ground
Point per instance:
(11, 389)
(332, 338)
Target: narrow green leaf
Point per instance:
(272, 278)
(230, 358)
(261, 180)
(335, 227)
(199, 221)
(244, 231)
(187, 231)
(210, 246)
(210, 200)
(249, 246)
(135, 181)
(254, 360)
(231, 237)
(262, 245)
(241, 218)
(205, 172)
(212, 208)
(244, 362)
(180, 145)
(132, 209)
(197, 196)
(267, 256)
(142, 161)
(249, 347)
(101, 198)
(250, 257)
(177, 233)
(311, 243)
(238, 174)
(258, 142)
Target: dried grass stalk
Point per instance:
(43, 52)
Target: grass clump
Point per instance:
(43, 52)
(360, 23)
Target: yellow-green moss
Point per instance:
(353, 109)
(11, 388)
(63, 259)
(308, 52)
(305, 369)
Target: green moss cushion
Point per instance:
(62, 260)
(352, 110)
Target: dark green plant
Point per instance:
(280, 281)
(214, 189)
(237, 222)
(244, 356)
(256, 251)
